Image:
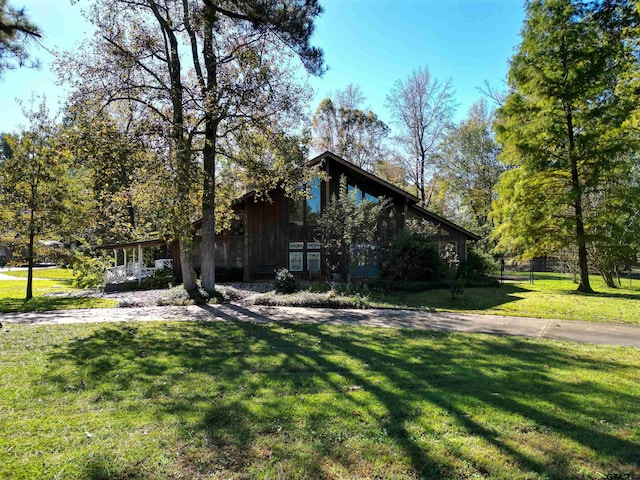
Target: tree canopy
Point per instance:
(16, 30)
(562, 127)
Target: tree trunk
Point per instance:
(208, 215)
(208, 275)
(581, 238)
(186, 267)
(32, 234)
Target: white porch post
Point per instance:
(139, 263)
(115, 257)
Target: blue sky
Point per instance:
(372, 43)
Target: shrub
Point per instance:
(412, 258)
(161, 278)
(285, 281)
(87, 270)
(478, 264)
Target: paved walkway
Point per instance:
(563, 330)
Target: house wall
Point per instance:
(271, 241)
(266, 231)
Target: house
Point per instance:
(282, 233)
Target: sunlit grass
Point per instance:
(550, 296)
(51, 273)
(47, 295)
(238, 400)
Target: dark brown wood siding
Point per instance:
(267, 232)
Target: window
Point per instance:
(370, 198)
(296, 211)
(313, 203)
(307, 211)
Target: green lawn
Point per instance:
(256, 401)
(50, 273)
(12, 294)
(550, 296)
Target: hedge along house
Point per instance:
(283, 233)
(279, 232)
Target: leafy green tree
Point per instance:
(42, 197)
(204, 70)
(16, 30)
(470, 168)
(341, 126)
(352, 229)
(561, 126)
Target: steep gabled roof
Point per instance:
(369, 176)
(411, 199)
(444, 222)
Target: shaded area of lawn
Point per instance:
(550, 296)
(238, 400)
(47, 295)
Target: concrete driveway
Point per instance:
(561, 330)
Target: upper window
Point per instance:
(370, 198)
(313, 203)
(307, 211)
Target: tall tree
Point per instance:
(341, 126)
(470, 168)
(562, 123)
(37, 188)
(206, 70)
(422, 108)
(15, 32)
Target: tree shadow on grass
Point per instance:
(309, 401)
(473, 298)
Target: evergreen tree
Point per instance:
(562, 125)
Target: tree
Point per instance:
(205, 70)
(342, 127)
(353, 230)
(561, 126)
(127, 179)
(40, 195)
(15, 32)
(470, 168)
(422, 109)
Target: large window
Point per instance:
(296, 211)
(307, 211)
(313, 203)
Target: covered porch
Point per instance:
(131, 262)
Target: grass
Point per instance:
(257, 401)
(48, 294)
(49, 273)
(550, 296)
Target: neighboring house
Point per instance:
(282, 233)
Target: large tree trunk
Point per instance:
(208, 276)
(208, 215)
(186, 267)
(581, 238)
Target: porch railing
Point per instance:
(134, 271)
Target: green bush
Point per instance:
(88, 270)
(478, 264)
(161, 278)
(412, 258)
(285, 281)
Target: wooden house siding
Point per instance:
(271, 238)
